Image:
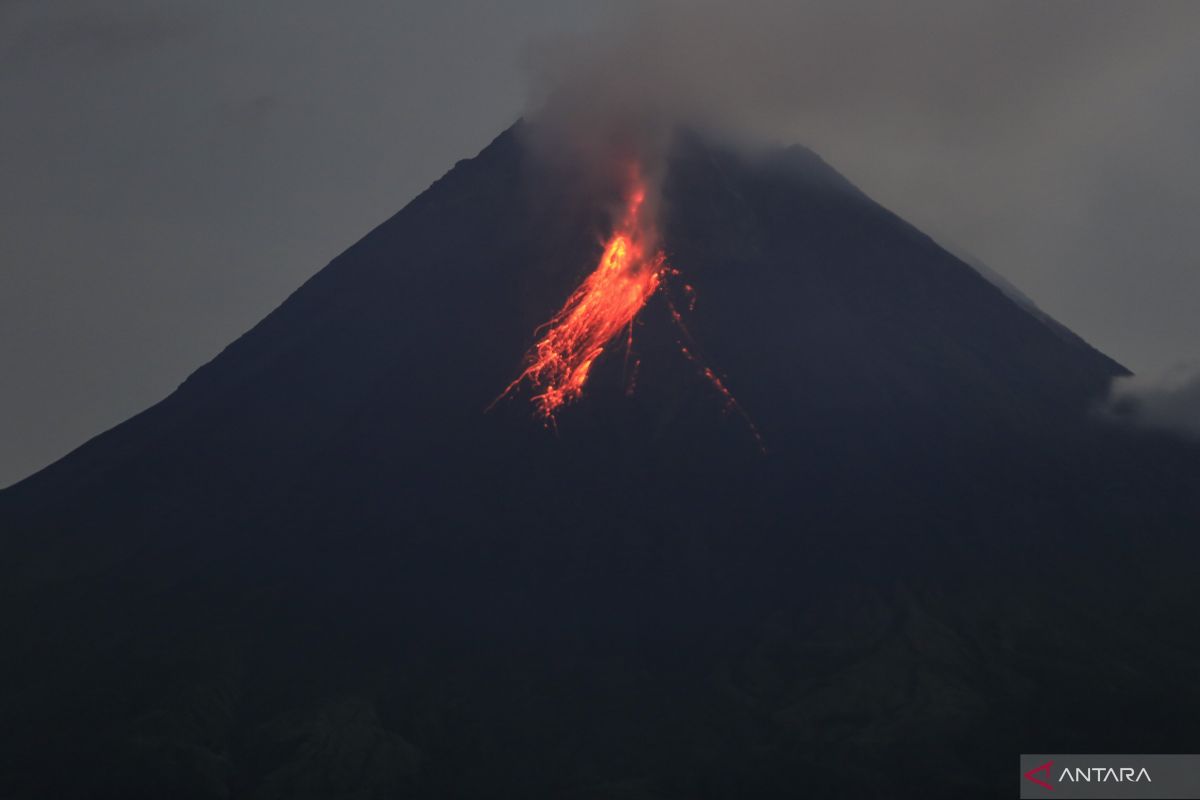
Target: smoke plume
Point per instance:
(1054, 141)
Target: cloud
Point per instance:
(1053, 140)
(948, 69)
(1168, 402)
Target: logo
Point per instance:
(1048, 776)
(1087, 775)
(1044, 768)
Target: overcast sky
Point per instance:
(171, 170)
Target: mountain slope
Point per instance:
(320, 567)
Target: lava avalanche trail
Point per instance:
(631, 269)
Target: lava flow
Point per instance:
(629, 272)
(631, 269)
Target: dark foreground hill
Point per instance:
(320, 570)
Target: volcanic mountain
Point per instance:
(324, 568)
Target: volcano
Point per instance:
(333, 565)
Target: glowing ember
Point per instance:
(731, 405)
(606, 304)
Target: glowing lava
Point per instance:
(631, 269)
(629, 272)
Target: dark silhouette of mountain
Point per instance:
(319, 569)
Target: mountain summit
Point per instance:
(324, 568)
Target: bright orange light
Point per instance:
(631, 269)
(604, 305)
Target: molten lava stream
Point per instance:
(602, 307)
(630, 271)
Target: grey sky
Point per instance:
(173, 169)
